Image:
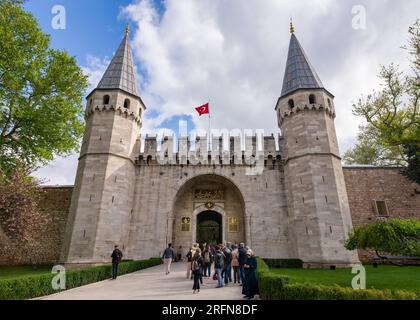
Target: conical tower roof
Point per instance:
(299, 73)
(120, 72)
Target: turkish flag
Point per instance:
(203, 109)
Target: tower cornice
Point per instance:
(118, 109)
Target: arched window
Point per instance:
(329, 103)
(106, 99)
(127, 103)
(312, 99)
(291, 104)
(139, 112)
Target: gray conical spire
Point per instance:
(299, 72)
(120, 72)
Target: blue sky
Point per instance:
(232, 52)
(93, 26)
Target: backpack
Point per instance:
(195, 266)
(228, 256)
(206, 257)
(218, 260)
(189, 256)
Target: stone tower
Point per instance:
(316, 193)
(102, 200)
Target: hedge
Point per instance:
(284, 263)
(32, 286)
(278, 287)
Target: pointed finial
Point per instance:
(292, 28)
(127, 30)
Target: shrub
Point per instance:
(40, 285)
(278, 287)
(396, 236)
(284, 263)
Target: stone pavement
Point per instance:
(151, 284)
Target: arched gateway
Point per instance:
(208, 209)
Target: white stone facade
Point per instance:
(296, 207)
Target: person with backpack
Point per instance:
(227, 269)
(116, 259)
(168, 257)
(189, 256)
(219, 263)
(208, 260)
(196, 267)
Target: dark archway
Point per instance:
(209, 227)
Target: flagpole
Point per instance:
(209, 135)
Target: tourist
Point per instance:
(227, 269)
(196, 267)
(179, 254)
(219, 262)
(241, 260)
(168, 257)
(116, 259)
(208, 260)
(250, 286)
(189, 262)
(235, 264)
(213, 250)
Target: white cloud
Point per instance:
(234, 53)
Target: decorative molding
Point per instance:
(119, 109)
(201, 194)
(302, 107)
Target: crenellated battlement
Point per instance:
(154, 151)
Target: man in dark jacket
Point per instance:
(241, 259)
(227, 270)
(219, 263)
(116, 258)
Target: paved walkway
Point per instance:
(151, 284)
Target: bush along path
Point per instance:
(32, 286)
(280, 287)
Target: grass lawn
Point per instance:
(22, 271)
(383, 277)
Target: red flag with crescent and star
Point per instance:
(204, 109)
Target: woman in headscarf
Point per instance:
(250, 286)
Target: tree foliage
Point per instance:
(41, 90)
(394, 236)
(392, 133)
(21, 221)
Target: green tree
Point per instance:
(41, 91)
(392, 133)
(394, 236)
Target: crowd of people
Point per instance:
(226, 259)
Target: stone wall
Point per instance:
(367, 184)
(364, 184)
